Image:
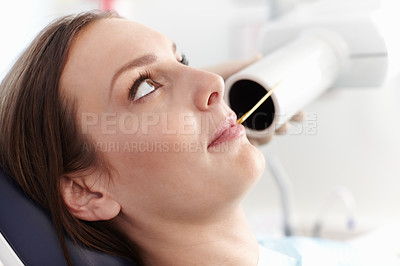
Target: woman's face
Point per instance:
(153, 118)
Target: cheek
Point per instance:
(158, 145)
(158, 173)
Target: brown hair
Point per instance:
(40, 141)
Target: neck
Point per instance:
(224, 240)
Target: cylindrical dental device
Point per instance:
(305, 68)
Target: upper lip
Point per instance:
(227, 123)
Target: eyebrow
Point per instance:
(138, 62)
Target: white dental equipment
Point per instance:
(286, 192)
(328, 44)
(349, 203)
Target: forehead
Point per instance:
(115, 37)
(102, 48)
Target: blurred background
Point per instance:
(342, 164)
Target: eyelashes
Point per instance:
(184, 60)
(145, 84)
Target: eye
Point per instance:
(184, 60)
(143, 86)
(146, 87)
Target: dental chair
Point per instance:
(28, 237)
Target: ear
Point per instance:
(88, 199)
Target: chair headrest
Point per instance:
(30, 233)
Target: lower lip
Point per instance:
(229, 134)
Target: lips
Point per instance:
(227, 131)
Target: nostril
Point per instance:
(212, 97)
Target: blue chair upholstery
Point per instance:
(31, 234)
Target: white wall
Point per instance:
(21, 20)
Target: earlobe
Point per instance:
(89, 203)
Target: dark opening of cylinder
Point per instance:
(244, 94)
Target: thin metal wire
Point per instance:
(266, 96)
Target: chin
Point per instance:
(253, 161)
(239, 167)
(249, 166)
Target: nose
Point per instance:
(208, 89)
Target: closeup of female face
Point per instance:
(154, 119)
